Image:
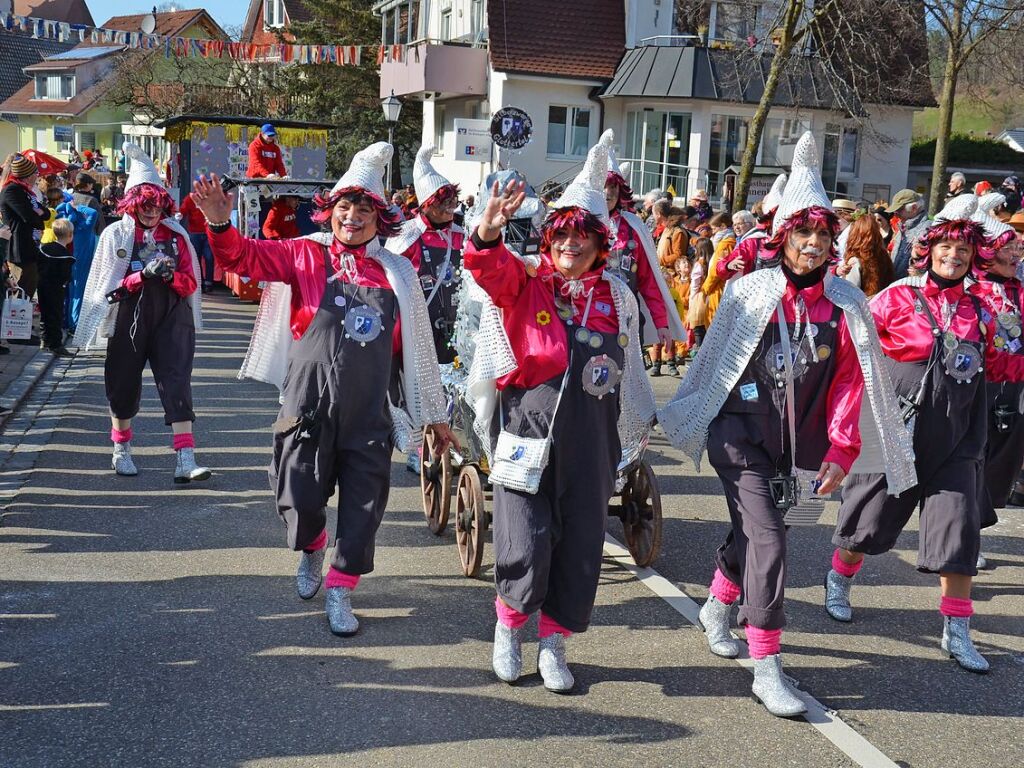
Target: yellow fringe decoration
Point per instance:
(286, 137)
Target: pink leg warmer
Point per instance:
(509, 616)
(723, 589)
(763, 642)
(548, 626)
(318, 543)
(185, 440)
(336, 578)
(121, 435)
(843, 568)
(956, 607)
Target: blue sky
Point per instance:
(228, 13)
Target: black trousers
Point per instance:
(51, 290)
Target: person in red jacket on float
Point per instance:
(280, 223)
(265, 155)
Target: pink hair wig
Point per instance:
(146, 194)
(389, 220)
(625, 201)
(815, 217)
(962, 230)
(579, 219)
(1002, 240)
(445, 194)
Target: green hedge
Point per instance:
(968, 150)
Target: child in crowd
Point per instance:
(54, 274)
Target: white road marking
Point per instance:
(825, 720)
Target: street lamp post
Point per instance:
(392, 106)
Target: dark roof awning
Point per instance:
(725, 74)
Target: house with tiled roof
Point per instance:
(678, 85)
(71, 11)
(18, 51)
(267, 19)
(64, 103)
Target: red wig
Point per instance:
(445, 194)
(580, 220)
(625, 201)
(1002, 240)
(965, 231)
(815, 217)
(389, 219)
(146, 194)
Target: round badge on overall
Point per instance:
(623, 340)
(812, 330)
(777, 361)
(596, 340)
(582, 335)
(1007, 319)
(824, 352)
(963, 362)
(600, 376)
(122, 253)
(631, 245)
(1014, 332)
(363, 324)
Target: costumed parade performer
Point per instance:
(141, 300)
(1001, 296)
(634, 260)
(433, 242)
(341, 313)
(750, 252)
(940, 352)
(565, 359)
(775, 397)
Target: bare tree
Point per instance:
(965, 28)
(860, 52)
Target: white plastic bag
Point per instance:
(17, 316)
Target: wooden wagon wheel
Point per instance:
(470, 520)
(641, 515)
(435, 485)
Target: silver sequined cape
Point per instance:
(493, 358)
(96, 322)
(267, 357)
(675, 325)
(745, 311)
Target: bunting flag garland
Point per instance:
(274, 53)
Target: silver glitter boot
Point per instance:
(552, 664)
(122, 460)
(186, 470)
(339, 612)
(310, 575)
(714, 620)
(837, 595)
(507, 659)
(772, 690)
(956, 641)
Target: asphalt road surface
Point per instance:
(147, 625)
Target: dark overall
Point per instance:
(548, 545)
(1004, 452)
(949, 444)
(346, 443)
(748, 444)
(153, 325)
(443, 306)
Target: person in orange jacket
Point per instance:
(265, 155)
(280, 223)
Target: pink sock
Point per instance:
(318, 543)
(843, 568)
(509, 616)
(723, 589)
(956, 607)
(763, 642)
(184, 440)
(121, 435)
(548, 626)
(336, 578)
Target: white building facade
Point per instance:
(579, 67)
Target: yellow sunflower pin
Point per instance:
(543, 317)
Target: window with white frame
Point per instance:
(779, 139)
(55, 87)
(446, 20)
(733, 19)
(849, 151)
(273, 13)
(568, 130)
(476, 16)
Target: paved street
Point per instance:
(147, 625)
